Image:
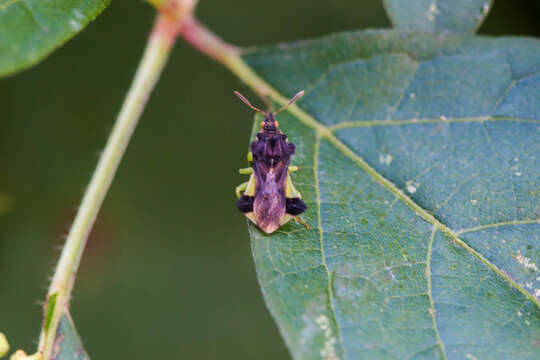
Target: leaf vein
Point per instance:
(34, 17)
(372, 123)
(432, 311)
(505, 223)
(323, 131)
(321, 239)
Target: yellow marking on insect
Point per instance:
(290, 190)
(251, 216)
(250, 189)
(285, 219)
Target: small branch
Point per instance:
(149, 70)
(207, 42)
(229, 55)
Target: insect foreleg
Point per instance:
(250, 157)
(240, 188)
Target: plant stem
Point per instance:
(229, 55)
(155, 56)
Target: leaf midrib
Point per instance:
(327, 133)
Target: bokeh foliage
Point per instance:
(31, 29)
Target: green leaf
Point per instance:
(458, 16)
(31, 29)
(420, 165)
(68, 345)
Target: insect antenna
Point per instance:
(246, 101)
(296, 97)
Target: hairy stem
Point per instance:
(148, 72)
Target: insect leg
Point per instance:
(293, 168)
(301, 221)
(246, 171)
(240, 188)
(250, 157)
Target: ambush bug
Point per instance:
(269, 198)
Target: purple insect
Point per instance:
(269, 198)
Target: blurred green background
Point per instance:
(168, 271)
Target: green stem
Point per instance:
(229, 55)
(148, 72)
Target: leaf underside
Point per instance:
(31, 29)
(68, 345)
(420, 165)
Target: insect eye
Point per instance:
(262, 123)
(277, 124)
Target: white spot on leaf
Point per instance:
(391, 273)
(78, 14)
(432, 12)
(411, 187)
(526, 262)
(386, 159)
(328, 352)
(75, 25)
